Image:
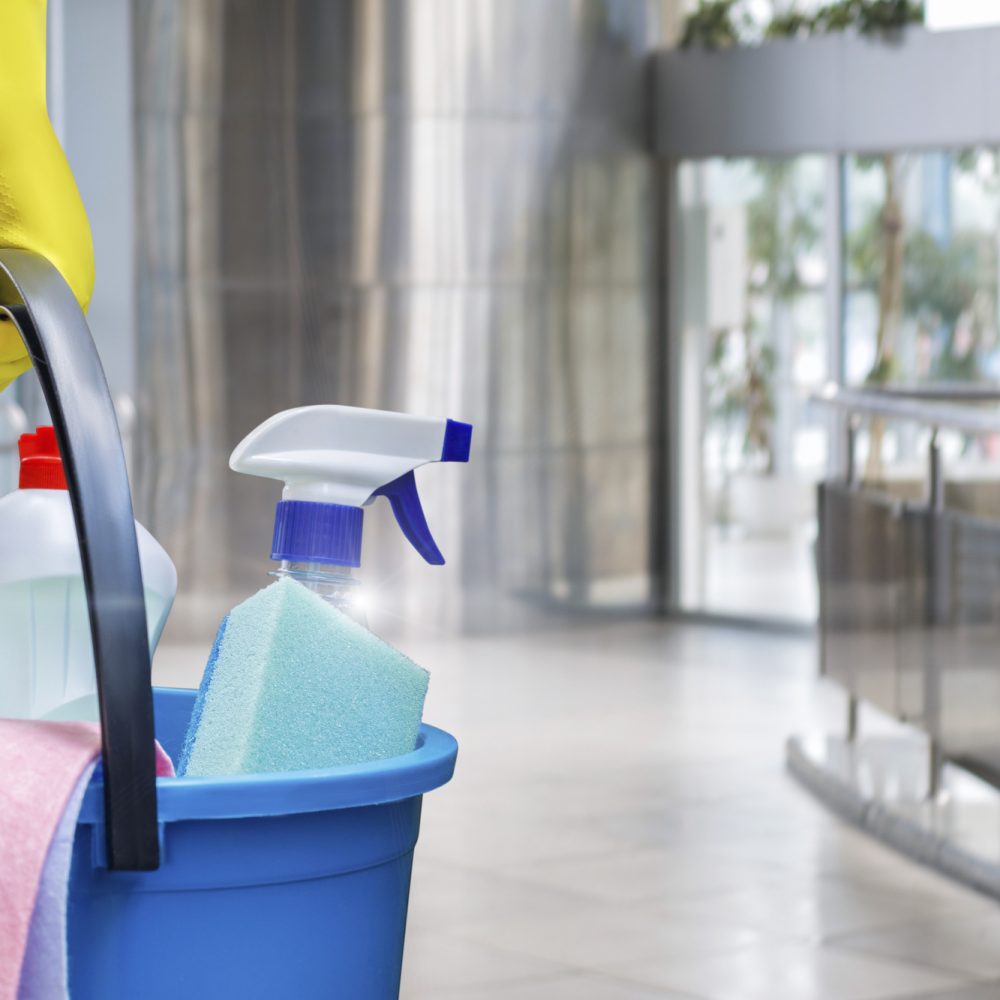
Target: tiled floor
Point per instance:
(621, 827)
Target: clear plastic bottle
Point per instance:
(46, 656)
(337, 585)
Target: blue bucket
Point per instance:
(278, 887)
(270, 886)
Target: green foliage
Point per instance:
(781, 227)
(953, 286)
(717, 24)
(839, 16)
(744, 391)
(863, 249)
(940, 281)
(757, 395)
(885, 15)
(882, 372)
(866, 161)
(792, 24)
(983, 164)
(714, 25)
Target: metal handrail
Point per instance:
(916, 404)
(951, 392)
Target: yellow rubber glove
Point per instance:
(40, 207)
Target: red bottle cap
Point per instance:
(41, 464)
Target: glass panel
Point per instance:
(921, 267)
(921, 294)
(755, 345)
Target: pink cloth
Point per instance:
(41, 765)
(44, 970)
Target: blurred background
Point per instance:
(718, 284)
(446, 208)
(458, 209)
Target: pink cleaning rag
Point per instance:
(42, 770)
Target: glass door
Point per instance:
(753, 344)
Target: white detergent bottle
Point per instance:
(46, 657)
(334, 461)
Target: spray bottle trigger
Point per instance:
(405, 501)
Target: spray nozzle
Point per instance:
(335, 460)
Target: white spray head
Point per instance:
(333, 461)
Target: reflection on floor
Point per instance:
(621, 828)
(882, 783)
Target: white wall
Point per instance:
(90, 103)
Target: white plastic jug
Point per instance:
(46, 657)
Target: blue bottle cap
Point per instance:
(305, 531)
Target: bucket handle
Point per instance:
(35, 297)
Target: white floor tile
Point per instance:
(647, 875)
(600, 937)
(793, 972)
(813, 909)
(444, 896)
(435, 961)
(968, 945)
(982, 991)
(580, 986)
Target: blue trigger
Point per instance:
(405, 502)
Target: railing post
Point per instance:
(935, 474)
(850, 451)
(937, 601)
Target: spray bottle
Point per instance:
(335, 461)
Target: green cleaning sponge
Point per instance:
(293, 684)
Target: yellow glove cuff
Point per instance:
(40, 207)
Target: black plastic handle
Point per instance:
(35, 297)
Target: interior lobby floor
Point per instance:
(761, 576)
(621, 827)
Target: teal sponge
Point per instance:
(293, 684)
